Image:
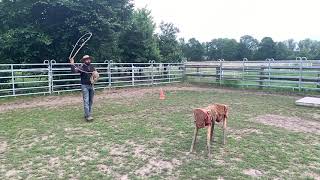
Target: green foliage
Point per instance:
(32, 31)
(251, 48)
(170, 49)
(267, 49)
(139, 43)
(248, 46)
(309, 48)
(223, 49)
(194, 50)
(282, 51)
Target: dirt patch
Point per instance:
(85, 153)
(290, 123)
(82, 154)
(253, 172)
(54, 162)
(31, 139)
(141, 151)
(316, 115)
(134, 93)
(12, 173)
(118, 150)
(3, 146)
(104, 169)
(25, 133)
(134, 149)
(158, 141)
(241, 133)
(313, 175)
(107, 170)
(157, 166)
(60, 101)
(154, 163)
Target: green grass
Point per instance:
(275, 84)
(249, 84)
(130, 137)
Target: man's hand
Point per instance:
(71, 61)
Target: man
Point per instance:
(86, 71)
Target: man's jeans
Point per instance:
(88, 93)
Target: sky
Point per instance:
(209, 19)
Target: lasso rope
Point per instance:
(83, 40)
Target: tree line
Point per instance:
(34, 30)
(250, 48)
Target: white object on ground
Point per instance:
(309, 101)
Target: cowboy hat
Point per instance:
(86, 57)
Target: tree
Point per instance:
(47, 29)
(291, 44)
(138, 43)
(282, 51)
(309, 48)
(194, 50)
(248, 46)
(223, 49)
(292, 47)
(170, 49)
(267, 49)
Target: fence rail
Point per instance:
(51, 77)
(300, 74)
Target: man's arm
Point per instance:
(74, 67)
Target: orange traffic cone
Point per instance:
(162, 96)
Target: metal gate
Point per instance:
(51, 77)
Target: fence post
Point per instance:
(152, 75)
(169, 72)
(109, 74)
(198, 74)
(243, 69)
(184, 70)
(269, 73)
(220, 72)
(50, 79)
(300, 74)
(49, 75)
(12, 79)
(132, 73)
(52, 62)
(318, 84)
(261, 74)
(217, 74)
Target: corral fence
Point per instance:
(51, 77)
(300, 74)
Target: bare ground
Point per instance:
(253, 173)
(59, 101)
(3, 146)
(290, 123)
(238, 134)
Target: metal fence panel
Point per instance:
(300, 74)
(51, 77)
(23, 79)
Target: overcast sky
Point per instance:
(209, 19)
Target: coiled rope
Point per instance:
(78, 46)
